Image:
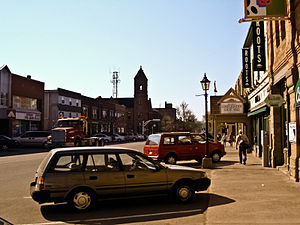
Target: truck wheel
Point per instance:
(77, 143)
(81, 200)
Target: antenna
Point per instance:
(115, 80)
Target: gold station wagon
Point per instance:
(81, 176)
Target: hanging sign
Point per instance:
(259, 57)
(274, 100)
(255, 9)
(246, 75)
(292, 132)
(297, 93)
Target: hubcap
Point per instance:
(171, 160)
(184, 193)
(216, 157)
(4, 147)
(82, 200)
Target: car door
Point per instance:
(142, 176)
(104, 174)
(64, 173)
(185, 147)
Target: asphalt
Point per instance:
(251, 193)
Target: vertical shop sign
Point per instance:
(259, 58)
(246, 75)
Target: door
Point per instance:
(104, 174)
(142, 176)
(185, 147)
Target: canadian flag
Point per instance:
(215, 86)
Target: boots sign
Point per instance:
(259, 58)
(246, 75)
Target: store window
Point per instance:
(24, 103)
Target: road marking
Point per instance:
(117, 218)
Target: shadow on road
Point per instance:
(134, 211)
(22, 151)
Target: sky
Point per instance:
(77, 44)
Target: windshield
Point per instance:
(67, 123)
(153, 139)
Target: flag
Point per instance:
(255, 9)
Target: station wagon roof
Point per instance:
(92, 150)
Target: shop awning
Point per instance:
(258, 111)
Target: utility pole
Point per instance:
(115, 80)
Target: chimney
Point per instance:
(29, 77)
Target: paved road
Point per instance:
(239, 194)
(17, 171)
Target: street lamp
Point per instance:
(145, 123)
(207, 161)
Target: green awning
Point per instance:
(260, 110)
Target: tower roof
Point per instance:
(140, 74)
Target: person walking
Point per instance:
(242, 142)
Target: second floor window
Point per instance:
(24, 103)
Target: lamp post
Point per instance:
(207, 161)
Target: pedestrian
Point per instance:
(224, 139)
(243, 142)
(231, 139)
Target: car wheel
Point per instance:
(183, 192)
(77, 143)
(81, 200)
(216, 157)
(45, 145)
(102, 142)
(4, 147)
(171, 159)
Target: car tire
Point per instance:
(171, 159)
(216, 156)
(45, 145)
(102, 142)
(183, 192)
(77, 143)
(4, 147)
(81, 200)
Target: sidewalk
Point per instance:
(254, 194)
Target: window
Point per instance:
(70, 101)
(135, 162)
(184, 140)
(62, 100)
(153, 140)
(24, 103)
(67, 163)
(104, 113)
(85, 111)
(102, 162)
(77, 103)
(282, 29)
(94, 113)
(169, 140)
(141, 87)
(277, 33)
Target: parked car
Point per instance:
(6, 142)
(130, 137)
(107, 139)
(33, 138)
(174, 146)
(82, 175)
(140, 137)
(118, 138)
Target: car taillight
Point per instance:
(40, 183)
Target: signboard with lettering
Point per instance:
(259, 57)
(231, 108)
(292, 132)
(274, 100)
(246, 75)
(297, 93)
(28, 116)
